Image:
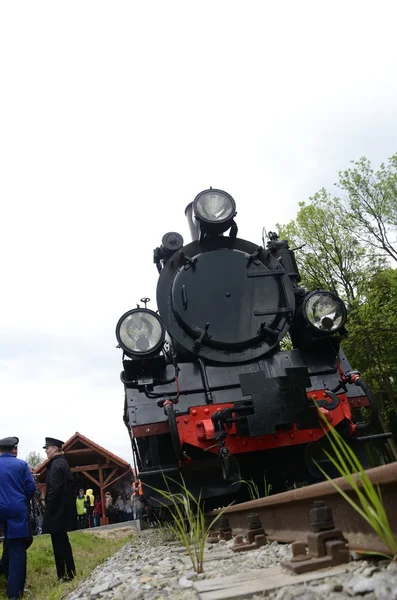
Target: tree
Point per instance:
(330, 257)
(34, 459)
(372, 339)
(370, 204)
(334, 253)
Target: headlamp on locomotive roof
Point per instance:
(140, 332)
(214, 210)
(324, 311)
(172, 242)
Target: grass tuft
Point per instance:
(188, 521)
(253, 489)
(369, 503)
(166, 531)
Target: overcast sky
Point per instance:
(113, 116)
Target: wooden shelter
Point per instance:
(88, 460)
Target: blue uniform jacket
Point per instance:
(17, 487)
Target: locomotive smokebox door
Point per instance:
(233, 299)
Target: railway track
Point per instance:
(143, 570)
(285, 517)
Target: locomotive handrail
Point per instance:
(273, 311)
(269, 273)
(354, 377)
(373, 405)
(175, 439)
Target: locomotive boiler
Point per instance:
(212, 394)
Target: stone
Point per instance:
(324, 589)
(369, 571)
(147, 587)
(185, 582)
(120, 595)
(386, 590)
(301, 593)
(392, 567)
(99, 589)
(363, 586)
(137, 595)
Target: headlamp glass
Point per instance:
(140, 332)
(215, 206)
(325, 311)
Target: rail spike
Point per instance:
(325, 546)
(225, 529)
(256, 536)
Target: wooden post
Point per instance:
(104, 519)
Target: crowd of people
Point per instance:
(88, 509)
(62, 511)
(126, 506)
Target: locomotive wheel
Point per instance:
(176, 442)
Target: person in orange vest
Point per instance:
(137, 495)
(137, 487)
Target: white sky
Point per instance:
(113, 116)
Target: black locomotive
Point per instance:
(210, 393)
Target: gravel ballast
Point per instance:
(150, 569)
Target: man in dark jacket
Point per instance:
(60, 514)
(16, 489)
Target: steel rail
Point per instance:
(285, 516)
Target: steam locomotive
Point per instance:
(212, 394)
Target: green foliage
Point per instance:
(89, 550)
(188, 521)
(372, 337)
(286, 343)
(34, 459)
(347, 242)
(330, 257)
(369, 502)
(370, 203)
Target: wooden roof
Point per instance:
(87, 457)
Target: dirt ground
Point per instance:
(113, 534)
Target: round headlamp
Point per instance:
(324, 311)
(214, 206)
(140, 332)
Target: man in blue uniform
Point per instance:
(17, 487)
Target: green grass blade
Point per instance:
(369, 504)
(188, 516)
